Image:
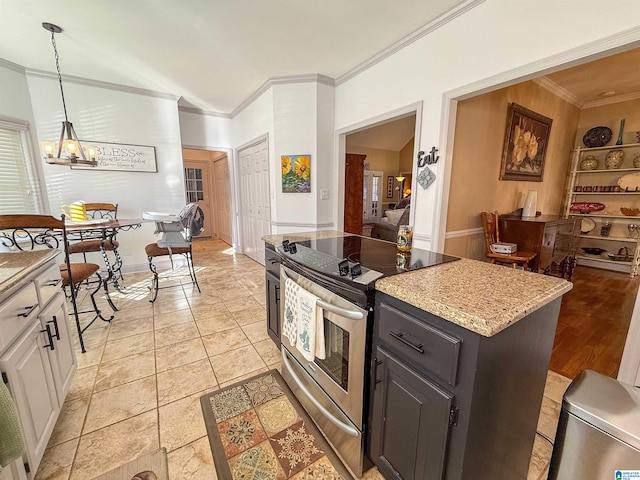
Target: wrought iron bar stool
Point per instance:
(31, 232)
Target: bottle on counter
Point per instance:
(405, 238)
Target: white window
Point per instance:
(372, 184)
(19, 192)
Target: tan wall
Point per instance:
(479, 137)
(406, 157)
(610, 116)
(386, 161)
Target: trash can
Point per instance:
(598, 435)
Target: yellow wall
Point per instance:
(479, 137)
(386, 161)
(610, 116)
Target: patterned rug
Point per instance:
(258, 431)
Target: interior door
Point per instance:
(197, 187)
(255, 210)
(353, 178)
(222, 196)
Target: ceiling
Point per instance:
(391, 136)
(214, 54)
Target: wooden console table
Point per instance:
(553, 238)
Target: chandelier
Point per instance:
(74, 153)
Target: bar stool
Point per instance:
(30, 232)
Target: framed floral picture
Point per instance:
(525, 144)
(296, 173)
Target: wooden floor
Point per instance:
(593, 323)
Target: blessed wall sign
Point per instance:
(122, 157)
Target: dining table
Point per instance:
(105, 229)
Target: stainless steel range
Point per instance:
(341, 272)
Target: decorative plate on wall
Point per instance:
(597, 137)
(629, 182)
(587, 225)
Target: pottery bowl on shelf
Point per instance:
(630, 212)
(593, 250)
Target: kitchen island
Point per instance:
(457, 360)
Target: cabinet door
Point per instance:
(62, 357)
(31, 384)
(409, 423)
(273, 307)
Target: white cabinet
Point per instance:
(615, 188)
(37, 359)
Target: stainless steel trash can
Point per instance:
(598, 431)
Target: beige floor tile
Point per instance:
(242, 304)
(243, 377)
(91, 357)
(176, 334)
(170, 319)
(268, 351)
(234, 293)
(372, 474)
(179, 354)
(82, 384)
(70, 421)
(57, 460)
(131, 327)
(125, 370)
(556, 386)
(207, 310)
(548, 419)
(122, 402)
(127, 346)
(261, 299)
(96, 334)
(204, 299)
(214, 324)
(224, 341)
(250, 315)
(192, 462)
(181, 422)
(105, 449)
(276, 366)
(185, 380)
(256, 332)
(137, 297)
(167, 305)
(539, 458)
(235, 363)
(134, 312)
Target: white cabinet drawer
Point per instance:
(16, 313)
(48, 283)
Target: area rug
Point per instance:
(259, 431)
(152, 466)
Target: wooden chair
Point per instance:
(31, 232)
(176, 244)
(491, 236)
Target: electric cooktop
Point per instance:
(358, 260)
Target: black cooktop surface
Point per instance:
(377, 258)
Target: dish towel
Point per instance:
(310, 326)
(11, 444)
(290, 323)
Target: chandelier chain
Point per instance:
(55, 51)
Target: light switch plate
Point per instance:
(324, 194)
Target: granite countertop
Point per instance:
(302, 236)
(16, 266)
(476, 295)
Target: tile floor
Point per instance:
(137, 387)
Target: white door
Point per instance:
(196, 183)
(222, 197)
(371, 199)
(255, 210)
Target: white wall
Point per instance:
(494, 37)
(325, 161)
(201, 130)
(106, 115)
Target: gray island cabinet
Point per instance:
(458, 367)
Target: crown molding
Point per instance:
(199, 111)
(414, 36)
(609, 100)
(558, 91)
(283, 80)
(11, 66)
(31, 72)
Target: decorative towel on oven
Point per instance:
(11, 444)
(310, 326)
(290, 323)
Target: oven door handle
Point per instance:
(343, 312)
(348, 429)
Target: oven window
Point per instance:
(336, 364)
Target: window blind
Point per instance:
(18, 191)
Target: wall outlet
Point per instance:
(324, 194)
